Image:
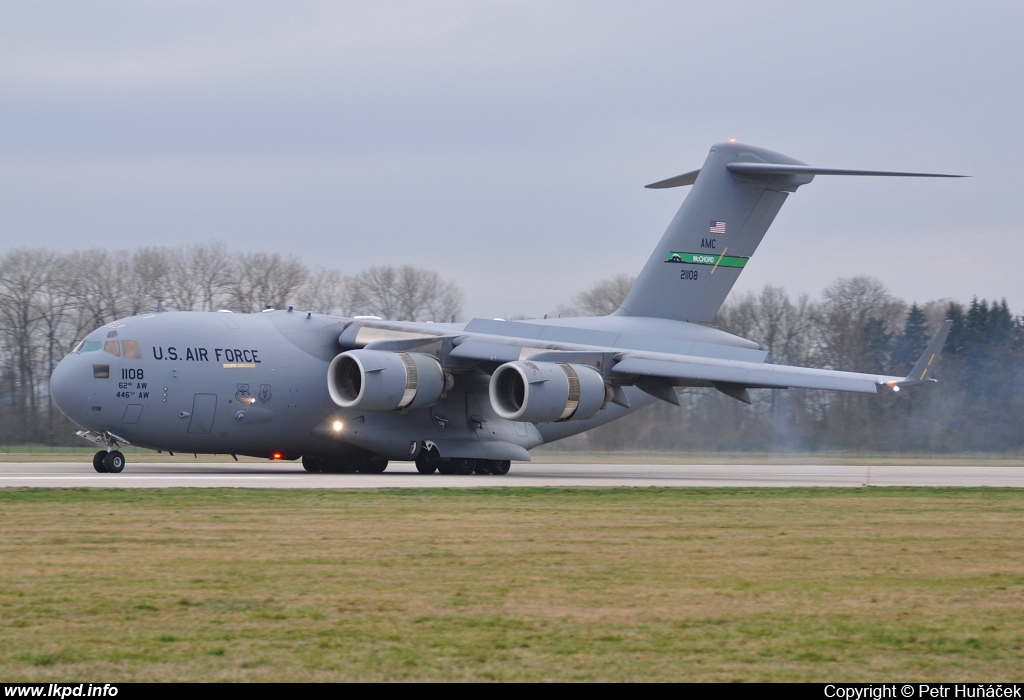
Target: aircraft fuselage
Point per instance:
(256, 384)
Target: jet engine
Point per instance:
(377, 380)
(539, 392)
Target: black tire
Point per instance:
(446, 466)
(114, 462)
(483, 466)
(425, 463)
(97, 461)
(373, 466)
(333, 465)
(463, 467)
(501, 466)
(312, 463)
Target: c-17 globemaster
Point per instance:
(350, 394)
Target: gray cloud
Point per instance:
(506, 144)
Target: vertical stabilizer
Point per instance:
(735, 197)
(716, 230)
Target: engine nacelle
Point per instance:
(377, 380)
(539, 392)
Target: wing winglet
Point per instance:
(924, 365)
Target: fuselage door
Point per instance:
(204, 408)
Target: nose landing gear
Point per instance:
(108, 462)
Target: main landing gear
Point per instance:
(429, 460)
(111, 462)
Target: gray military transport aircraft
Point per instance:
(350, 394)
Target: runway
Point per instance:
(287, 475)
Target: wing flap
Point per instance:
(749, 374)
(481, 350)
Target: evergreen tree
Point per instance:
(911, 343)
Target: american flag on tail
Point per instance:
(717, 227)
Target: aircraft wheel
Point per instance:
(483, 466)
(114, 462)
(97, 461)
(338, 466)
(373, 466)
(463, 467)
(425, 463)
(501, 466)
(312, 464)
(446, 466)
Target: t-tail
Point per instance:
(735, 197)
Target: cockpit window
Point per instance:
(131, 350)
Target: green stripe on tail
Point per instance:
(706, 259)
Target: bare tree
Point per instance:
(324, 292)
(146, 279)
(770, 319)
(209, 268)
(258, 280)
(404, 293)
(600, 300)
(24, 275)
(98, 287)
(854, 309)
(196, 277)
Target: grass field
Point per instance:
(512, 584)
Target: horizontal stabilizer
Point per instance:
(677, 181)
(788, 169)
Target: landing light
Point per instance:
(337, 425)
(896, 388)
(277, 456)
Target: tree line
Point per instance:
(49, 301)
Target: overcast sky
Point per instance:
(506, 145)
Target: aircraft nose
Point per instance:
(64, 390)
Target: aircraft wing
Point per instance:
(658, 372)
(736, 376)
